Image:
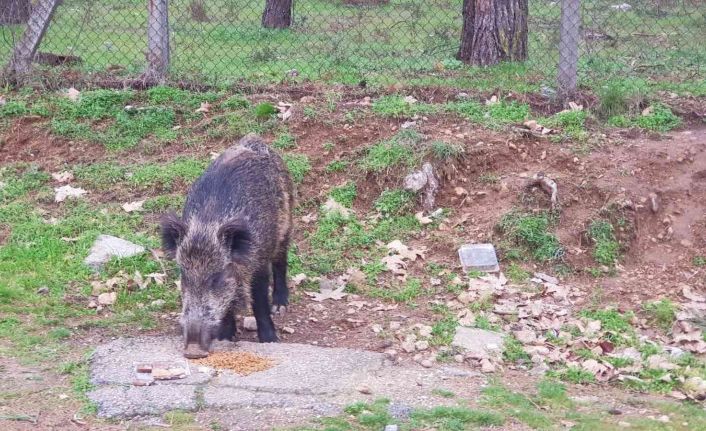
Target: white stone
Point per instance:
(106, 247)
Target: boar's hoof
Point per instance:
(194, 352)
(279, 310)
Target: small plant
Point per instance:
(658, 117)
(699, 261)
(337, 166)
(444, 151)
(399, 150)
(392, 202)
(489, 178)
(454, 418)
(607, 249)
(516, 273)
(344, 195)
(531, 232)
(620, 97)
(265, 111)
(328, 146)
(662, 313)
(284, 141)
(513, 351)
(236, 102)
(576, 375)
(443, 393)
(442, 332)
(298, 166)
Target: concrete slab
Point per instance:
(305, 382)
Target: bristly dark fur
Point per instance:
(234, 232)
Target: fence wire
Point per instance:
(352, 40)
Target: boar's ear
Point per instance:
(173, 230)
(236, 237)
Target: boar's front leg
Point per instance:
(227, 328)
(280, 292)
(261, 306)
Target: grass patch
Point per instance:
(396, 106)
(606, 250)
(394, 202)
(513, 351)
(298, 166)
(661, 313)
(454, 418)
(660, 118)
(264, 111)
(396, 151)
(285, 141)
(443, 331)
(164, 176)
(345, 194)
(531, 232)
(699, 261)
(444, 151)
(337, 166)
(516, 273)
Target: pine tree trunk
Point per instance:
(14, 11)
(277, 14)
(493, 31)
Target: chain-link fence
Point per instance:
(353, 40)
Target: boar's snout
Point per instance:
(197, 341)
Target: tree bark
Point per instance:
(20, 64)
(493, 31)
(277, 14)
(14, 11)
(567, 78)
(157, 39)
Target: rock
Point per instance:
(408, 346)
(365, 390)
(686, 243)
(107, 298)
(623, 424)
(458, 358)
(249, 323)
(44, 290)
(478, 341)
(421, 345)
(695, 387)
(106, 247)
(546, 277)
(415, 181)
(391, 354)
(426, 363)
(287, 330)
(663, 419)
(425, 331)
(391, 428)
(486, 366)
(394, 326)
(478, 257)
(158, 303)
(525, 336)
(654, 202)
(377, 328)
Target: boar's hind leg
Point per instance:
(227, 329)
(280, 292)
(261, 306)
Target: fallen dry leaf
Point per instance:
(107, 298)
(404, 251)
(601, 372)
(422, 219)
(73, 94)
(64, 192)
(395, 264)
(333, 207)
(133, 206)
(63, 177)
(297, 279)
(327, 291)
(204, 108)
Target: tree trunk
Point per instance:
(493, 31)
(277, 14)
(157, 39)
(14, 11)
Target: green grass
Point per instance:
(445, 151)
(531, 232)
(19, 180)
(264, 111)
(698, 261)
(513, 351)
(298, 166)
(454, 418)
(396, 106)
(516, 273)
(337, 166)
(396, 151)
(662, 313)
(606, 250)
(394, 202)
(442, 331)
(165, 175)
(405, 293)
(661, 119)
(285, 141)
(345, 194)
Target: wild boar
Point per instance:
(234, 233)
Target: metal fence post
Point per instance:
(569, 34)
(20, 64)
(157, 39)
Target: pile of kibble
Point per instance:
(242, 363)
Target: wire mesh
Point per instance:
(352, 40)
